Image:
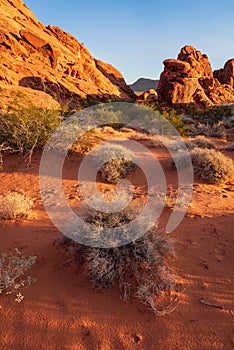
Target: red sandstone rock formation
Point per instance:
(148, 96)
(189, 80)
(51, 60)
(226, 75)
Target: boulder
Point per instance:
(148, 96)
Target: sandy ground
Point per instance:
(62, 310)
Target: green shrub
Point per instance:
(212, 166)
(114, 161)
(174, 117)
(212, 114)
(25, 128)
(14, 205)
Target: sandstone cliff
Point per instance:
(51, 60)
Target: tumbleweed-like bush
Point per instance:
(114, 161)
(203, 142)
(212, 166)
(139, 269)
(14, 205)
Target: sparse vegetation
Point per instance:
(212, 114)
(14, 205)
(139, 268)
(12, 269)
(25, 128)
(209, 129)
(212, 166)
(203, 142)
(172, 116)
(114, 161)
(87, 141)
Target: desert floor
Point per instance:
(62, 310)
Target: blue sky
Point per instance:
(136, 36)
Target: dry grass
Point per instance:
(14, 205)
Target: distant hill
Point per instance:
(144, 84)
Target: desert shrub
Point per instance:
(14, 205)
(203, 142)
(139, 269)
(12, 270)
(209, 129)
(114, 161)
(25, 128)
(174, 117)
(211, 115)
(212, 166)
(199, 141)
(181, 145)
(131, 265)
(86, 141)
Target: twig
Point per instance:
(211, 304)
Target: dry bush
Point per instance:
(199, 141)
(139, 268)
(212, 166)
(142, 262)
(14, 205)
(181, 145)
(12, 269)
(203, 142)
(210, 130)
(86, 141)
(114, 161)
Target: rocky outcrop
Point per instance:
(226, 75)
(53, 61)
(189, 80)
(148, 96)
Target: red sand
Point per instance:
(62, 311)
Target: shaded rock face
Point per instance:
(189, 80)
(51, 60)
(148, 96)
(226, 75)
